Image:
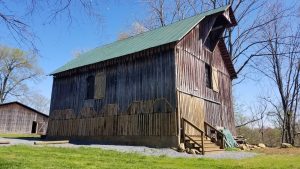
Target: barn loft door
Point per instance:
(192, 109)
(100, 85)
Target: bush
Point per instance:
(270, 136)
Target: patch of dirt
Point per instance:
(291, 151)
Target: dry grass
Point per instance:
(279, 151)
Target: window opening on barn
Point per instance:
(90, 82)
(215, 33)
(208, 76)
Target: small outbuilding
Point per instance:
(16, 117)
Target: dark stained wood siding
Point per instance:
(18, 119)
(191, 56)
(140, 99)
(133, 79)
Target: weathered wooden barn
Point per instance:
(157, 88)
(18, 118)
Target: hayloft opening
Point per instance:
(215, 33)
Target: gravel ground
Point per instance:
(142, 150)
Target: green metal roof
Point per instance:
(146, 40)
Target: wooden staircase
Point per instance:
(209, 146)
(208, 141)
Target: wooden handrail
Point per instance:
(198, 129)
(205, 123)
(193, 140)
(218, 133)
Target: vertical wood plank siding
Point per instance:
(191, 57)
(146, 93)
(17, 119)
(193, 109)
(140, 99)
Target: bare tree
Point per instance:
(242, 42)
(158, 15)
(164, 12)
(16, 67)
(36, 101)
(20, 30)
(261, 111)
(258, 114)
(281, 64)
(135, 29)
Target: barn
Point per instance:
(17, 118)
(159, 88)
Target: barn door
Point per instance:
(192, 109)
(34, 127)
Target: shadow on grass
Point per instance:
(25, 138)
(28, 137)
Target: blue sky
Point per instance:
(60, 41)
(57, 42)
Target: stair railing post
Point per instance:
(202, 142)
(222, 143)
(183, 130)
(205, 129)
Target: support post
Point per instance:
(183, 130)
(205, 130)
(202, 140)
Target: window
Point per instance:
(207, 77)
(90, 82)
(213, 39)
(215, 33)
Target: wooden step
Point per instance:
(213, 149)
(199, 140)
(195, 137)
(207, 146)
(204, 142)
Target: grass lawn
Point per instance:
(52, 157)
